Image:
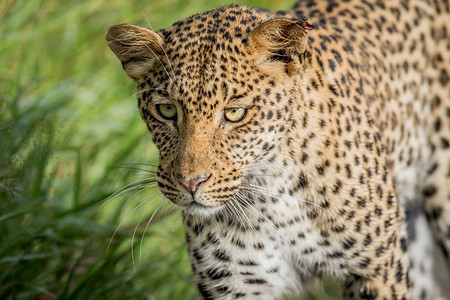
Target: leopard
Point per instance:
(302, 144)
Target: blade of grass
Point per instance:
(78, 179)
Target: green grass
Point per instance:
(70, 136)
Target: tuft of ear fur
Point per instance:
(280, 41)
(137, 48)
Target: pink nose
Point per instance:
(191, 184)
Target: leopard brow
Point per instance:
(235, 100)
(155, 101)
(162, 96)
(155, 96)
(237, 96)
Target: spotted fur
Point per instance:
(341, 161)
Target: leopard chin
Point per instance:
(196, 209)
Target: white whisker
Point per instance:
(165, 53)
(127, 188)
(145, 230)
(129, 215)
(244, 215)
(132, 241)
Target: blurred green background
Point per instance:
(70, 138)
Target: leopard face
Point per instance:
(212, 121)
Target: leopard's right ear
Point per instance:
(280, 42)
(138, 48)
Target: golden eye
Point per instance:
(235, 114)
(167, 111)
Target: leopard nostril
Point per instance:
(191, 184)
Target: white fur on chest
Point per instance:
(274, 239)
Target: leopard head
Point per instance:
(215, 91)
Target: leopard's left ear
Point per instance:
(280, 41)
